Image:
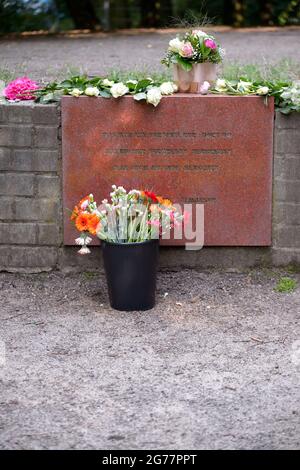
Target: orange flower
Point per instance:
(164, 202)
(82, 222)
(75, 213)
(93, 223)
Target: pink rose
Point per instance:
(204, 88)
(210, 43)
(187, 50)
(20, 88)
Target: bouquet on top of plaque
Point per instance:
(194, 56)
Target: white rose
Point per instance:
(199, 33)
(263, 90)
(91, 91)
(175, 45)
(76, 92)
(167, 88)
(107, 82)
(221, 85)
(153, 96)
(119, 89)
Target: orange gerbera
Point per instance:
(82, 222)
(164, 202)
(75, 213)
(93, 223)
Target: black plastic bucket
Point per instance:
(131, 274)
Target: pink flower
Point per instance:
(20, 88)
(187, 50)
(204, 88)
(210, 43)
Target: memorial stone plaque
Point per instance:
(212, 150)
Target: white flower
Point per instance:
(92, 91)
(175, 45)
(153, 96)
(221, 85)
(83, 241)
(84, 250)
(167, 88)
(204, 88)
(76, 92)
(263, 90)
(199, 33)
(107, 82)
(133, 82)
(119, 89)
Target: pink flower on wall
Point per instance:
(210, 43)
(20, 89)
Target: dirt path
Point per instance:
(216, 364)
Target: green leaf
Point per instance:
(104, 94)
(143, 84)
(187, 66)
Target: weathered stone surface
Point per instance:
(18, 233)
(45, 114)
(46, 210)
(15, 136)
(46, 137)
(213, 150)
(48, 234)
(6, 208)
(16, 184)
(48, 186)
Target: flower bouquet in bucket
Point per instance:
(129, 227)
(194, 56)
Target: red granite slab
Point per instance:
(213, 149)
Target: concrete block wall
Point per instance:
(30, 187)
(286, 190)
(31, 237)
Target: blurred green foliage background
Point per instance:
(62, 15)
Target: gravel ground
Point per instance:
(46, 57)
(215, 365)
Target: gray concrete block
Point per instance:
(46, 210)
(46, 114)
(30, 259)
(16, 184)
(49, 234)
(5, 159)
(17, 233)
(290, 121)
(46, 137)
(46, 160)
(287, 167)
(286, 191)
(20, 112)
(6, 208)
(287, 236)
(22, 160)
(48, 186)
(15, 136)
(286, 214)
(285, 256)
(287, 141)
